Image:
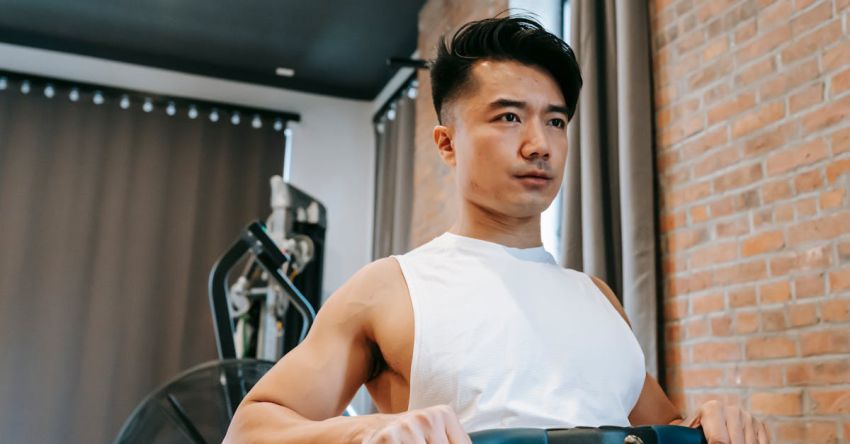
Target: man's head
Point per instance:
(504, 90)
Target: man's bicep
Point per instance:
(320, 376)
(653, 406)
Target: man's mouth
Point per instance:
(534, 178)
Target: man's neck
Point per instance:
(480, 223)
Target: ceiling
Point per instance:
(336, 48)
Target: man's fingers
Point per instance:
(455, 432)
(750, 427)
(734, 425)
(714, 423)
(763, 435)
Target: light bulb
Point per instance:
(4, 83)
(214, 115)
(235, 118)
(148, 105)
(278, 124)
(193, 112)
(256, 122)
(125, 102)
(49, 91)
(97, 98)
(74, 94)
(25, 87)
(171, 109)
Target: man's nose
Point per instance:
(534, 143)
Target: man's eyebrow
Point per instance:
(510, 103)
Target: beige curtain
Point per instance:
(394, 133)
(610, 210)
(110, 221)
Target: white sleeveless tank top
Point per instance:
(508, 338)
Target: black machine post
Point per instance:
(254, 239)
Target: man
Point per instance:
(479, 328)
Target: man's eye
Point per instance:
(558, 123)
(509, 117)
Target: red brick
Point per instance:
(809, 43)
(764, 43)
(757, 376)
(708, 141)
(811, 95)
(839, 83)
(742, 297)
(808, 181)
(830, 402)
(836, 56)
(775, 292)
(716, 352)
(725, 110)
(844, 251)
(836, 169)
(806, 207)
(746, 322)
(776, 190)
(824, 228)
(717, 161)
(713, 254)
(775, 14)
(771, 347)
(682, 239)
(699, 378)
(671, 221)
(811, 18)
(805, 154)
(763, 243)
(675, 309)
(784, 213)
(738, 178)
(696, 328)
(755, 120)
(832, 199)
(715, 48)
(809, 286)
(825, 342)
(777, 137)
(699, 214)
(802, 315)
(743, 272)
(841, 141)
(839, 280)
(773, 320)
(769, 403)
(835, 310)
(707, 304)
(721, 325)
(688, 194)
(673, 332)
(806, 431)
(735, 203)
(825, 116)
(734, 227)
(818, 373)
(787, 81)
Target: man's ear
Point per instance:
(443, 140)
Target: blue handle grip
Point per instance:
(659, 434)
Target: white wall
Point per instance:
(333, 146)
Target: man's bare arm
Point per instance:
(299, 399)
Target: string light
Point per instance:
(391, 112)
(124, 102)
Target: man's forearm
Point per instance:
(261, 422)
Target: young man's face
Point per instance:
(507, 138)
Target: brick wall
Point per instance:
(753, 133)
(434, 205)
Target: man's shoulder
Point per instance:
(375, 283)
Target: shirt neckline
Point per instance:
(533, 254)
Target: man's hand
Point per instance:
(727, 425)
(432, 425)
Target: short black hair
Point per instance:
(518, 38)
